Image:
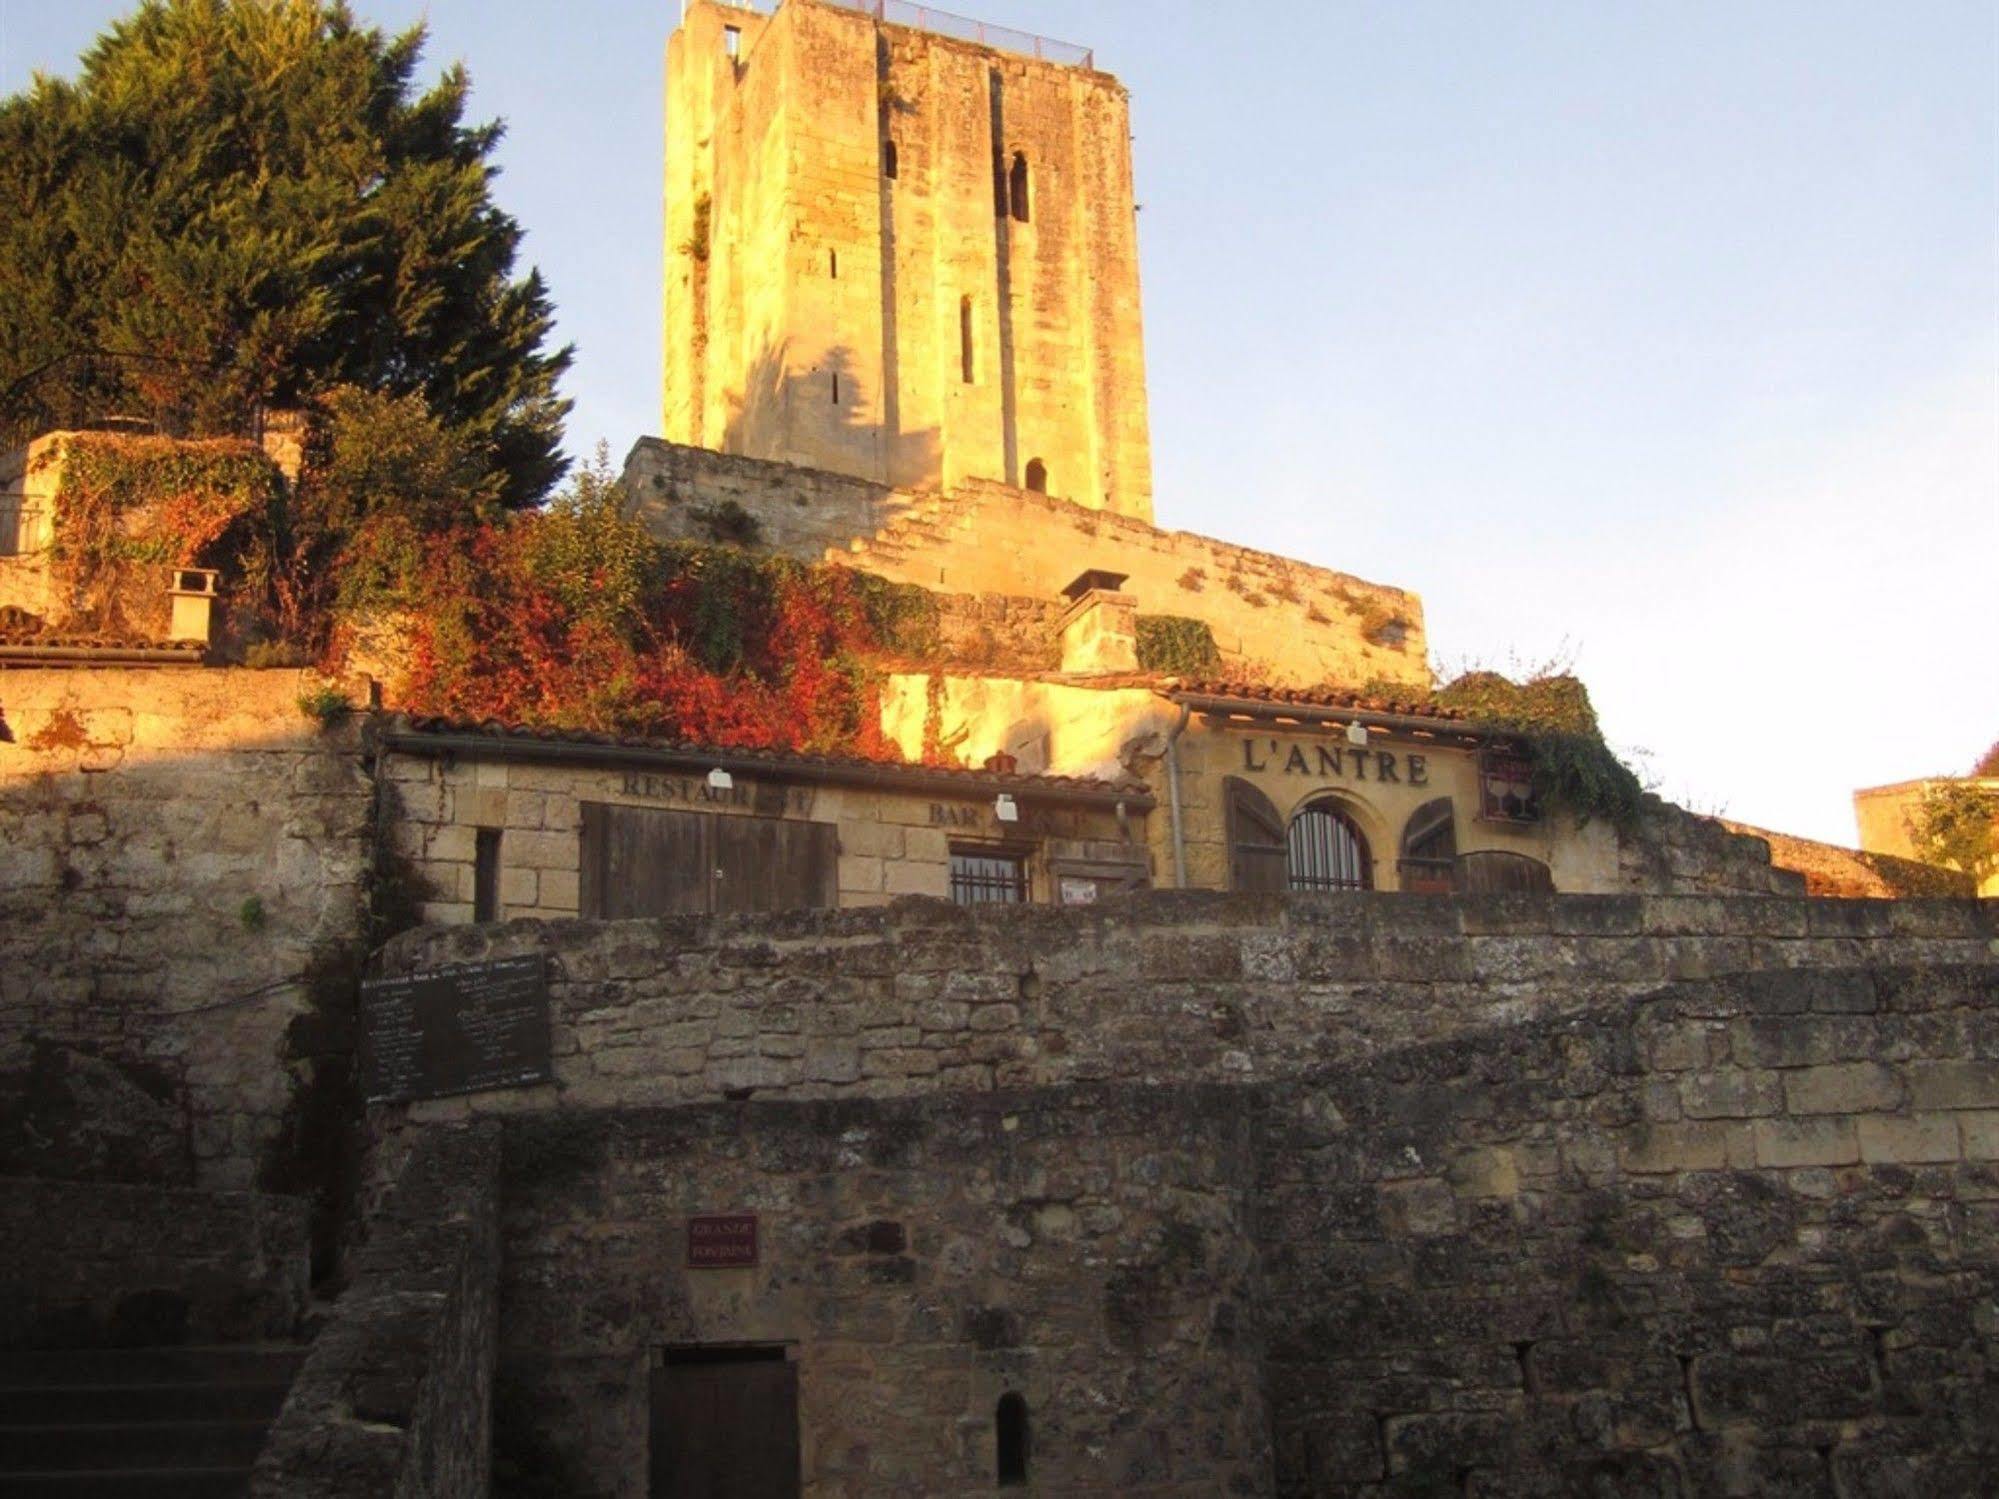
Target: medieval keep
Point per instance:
(1176, 1051)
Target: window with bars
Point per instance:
(987, 876)
(1325, 851)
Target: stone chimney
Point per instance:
(1100, 630)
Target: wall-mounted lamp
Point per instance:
(1006, 809)
(1356, 733)
(720, 780)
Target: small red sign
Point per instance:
(722, 1241)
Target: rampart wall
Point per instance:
(1272, 618)
(1271, 1195)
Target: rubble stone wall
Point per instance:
(395, 1397)
(178, 848)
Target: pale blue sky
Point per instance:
(1663, 338)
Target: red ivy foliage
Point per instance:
(519, 622)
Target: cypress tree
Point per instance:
(253, 195)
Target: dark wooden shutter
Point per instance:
(1497, 872)
(725, 1429)
(637, 861)
(1256, 838)
(763, 864)
(1429, 849)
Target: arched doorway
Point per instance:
(1325, 850)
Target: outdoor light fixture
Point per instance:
(1005, 808)
(1356, 733)
(720, 779)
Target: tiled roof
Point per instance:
(519, 738)
(1311, 697)
(35, 642)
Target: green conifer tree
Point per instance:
(251, 195)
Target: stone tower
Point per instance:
(900, 255)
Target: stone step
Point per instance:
(65, 1405)
(136, 1483)
(236, 1363)
(120, 1446)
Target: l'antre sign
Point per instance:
(1346, 762)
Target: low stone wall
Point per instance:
(91, 1264)
(922, 996)
(1672, 850)
(395, 1397)
(180, 852)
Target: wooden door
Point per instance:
(639, 861)
(725, 1426)
(1255, 834)
(642, 861)
(764, 864)
(1497, 872)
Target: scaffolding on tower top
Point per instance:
(944, 23)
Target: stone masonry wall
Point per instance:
(679, 493)
(1740, 1237)
(1275, 1195)
(1087, 1249)
(178, 850)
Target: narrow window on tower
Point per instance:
(1017, 187)
(888, 160)
(833, 264)
(732, 40)
(836, 387)
(965, 338)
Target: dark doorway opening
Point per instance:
(1010, 1431)
(724, 1424)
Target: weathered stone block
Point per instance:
(1908, 1140)
(1847, 1088)
(1731, 1094)
(1806, 1142)
(1971, 1084)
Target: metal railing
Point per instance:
(95, 390)
(945, 23)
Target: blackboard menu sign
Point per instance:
(455, 1030)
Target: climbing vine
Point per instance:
(1551, 715)
(153, 499)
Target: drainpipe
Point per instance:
(1173, 797)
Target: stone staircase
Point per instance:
(122, 1423)
(914, 547)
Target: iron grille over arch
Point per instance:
(1324, 850)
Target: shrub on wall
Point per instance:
(1957, 824)
(577, 618)
(1176, 645)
